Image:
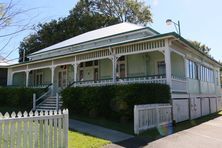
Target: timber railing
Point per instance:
(125, 80)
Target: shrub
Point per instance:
(20, 98)
(114, 101)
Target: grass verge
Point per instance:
(81, 140)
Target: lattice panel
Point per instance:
(140, 46)
(96, 54)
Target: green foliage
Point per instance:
(125, 10)
(202, 47)
(113, 102)
(20, 98)
(79, 21)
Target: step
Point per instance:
(48, 106)
(50, 101)
(45, 107)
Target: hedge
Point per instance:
(114, 101)
(19, 98)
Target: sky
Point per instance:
(201, 20)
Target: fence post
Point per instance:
(66, 127)
(136, 120)
(57, 101)
(34, 101)
(157, 116)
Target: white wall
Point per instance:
(195, 107)
(180, 110)
(205, 106)
(213, 105)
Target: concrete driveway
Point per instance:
(205, 135)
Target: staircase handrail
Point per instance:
(42, 96)
(44, 90)
(45, 93)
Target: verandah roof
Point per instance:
(93, 35)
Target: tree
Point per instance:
(80, 20)
(12, 22)
(87, 15)
(202, 47)
(125, 10)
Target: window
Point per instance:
(96, 62)
(121, 67)
(161, 68)
(192, 70)
(39, 78)
(207, 74)
(122, 58)
(90, 63)
(81, 75)
(81, 65)
(96, 74)
(216, 76)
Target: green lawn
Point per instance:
(76, 139)
(80, 140)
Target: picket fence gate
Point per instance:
(48, 129)
(151, 115)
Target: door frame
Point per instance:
(66, 79)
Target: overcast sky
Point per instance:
(200, 20)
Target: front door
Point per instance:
(88, 73)
(62, 78)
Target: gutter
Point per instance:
(159, 36)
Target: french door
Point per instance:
(62, 78)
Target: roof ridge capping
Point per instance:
(100, 33)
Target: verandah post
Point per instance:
(136, 120)
(34, 101)
(57, 101)
(52, 79)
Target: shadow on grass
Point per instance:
(148, 136)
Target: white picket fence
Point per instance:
(151, 115)
(47, 129)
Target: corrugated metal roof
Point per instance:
(95, 34)
(3, 62)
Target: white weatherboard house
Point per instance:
(3, 71)
(126, 53)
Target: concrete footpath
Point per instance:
(205, 135)
(98, 131)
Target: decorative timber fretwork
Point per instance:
(140, 46)
(93, 55)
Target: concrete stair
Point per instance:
(49, 104)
